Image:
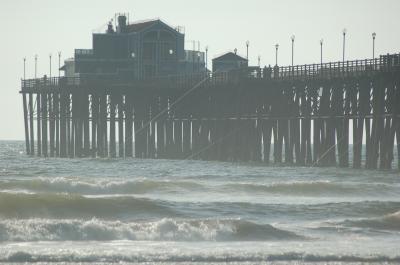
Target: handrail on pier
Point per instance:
(384, 63)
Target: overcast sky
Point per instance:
(47, 26)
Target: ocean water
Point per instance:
(133, 211)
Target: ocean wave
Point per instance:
(312, 188)
(88, 186)
(162, 230)
(387, 222)
(62, 205)
(100, 186)
(192, 258)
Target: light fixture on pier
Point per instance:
(344, 42)
(133, 55)
(59, 64)
(247, 50)
(373, 45)
(292, 38)
(24, 67)
(276, 54)
(36, 59)
(321, 42)
(171, 51)
(50, 64)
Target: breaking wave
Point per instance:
(387, 222)
(62, 205)
(162, 230)
(313, 188)
(192, 258)
(102, 186)
(142, 186)
(124, 207)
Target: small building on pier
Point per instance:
(229, 61)
(140, 50)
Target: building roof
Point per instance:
(140, 25)
(230, 56)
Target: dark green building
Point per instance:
(139, 50)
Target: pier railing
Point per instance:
(386, 63)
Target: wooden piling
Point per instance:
(94, 119)
(129, 125)
(51, 124)
(25, 108)
(31, 124)
(63, 125)
(120, 126)
(44, 124)
(56, 109)
(113, 152)
(38, 124)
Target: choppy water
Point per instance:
(193, 212)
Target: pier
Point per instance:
(296, 115)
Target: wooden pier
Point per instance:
(297, 115)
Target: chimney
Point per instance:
(121, 23)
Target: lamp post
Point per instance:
(276, 54)
(24, 67)
(259, 60)
(344, 42)
(59, 64)
(373, 45)
(247, 50)
(50, 64)
(321, 42)
(36, 59)
(206, 57)
(292, 38)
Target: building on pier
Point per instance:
(139, 50)
(229, 61)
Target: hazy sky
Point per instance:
(46, 26)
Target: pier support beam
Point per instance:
(31, 124)
(25, 108)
